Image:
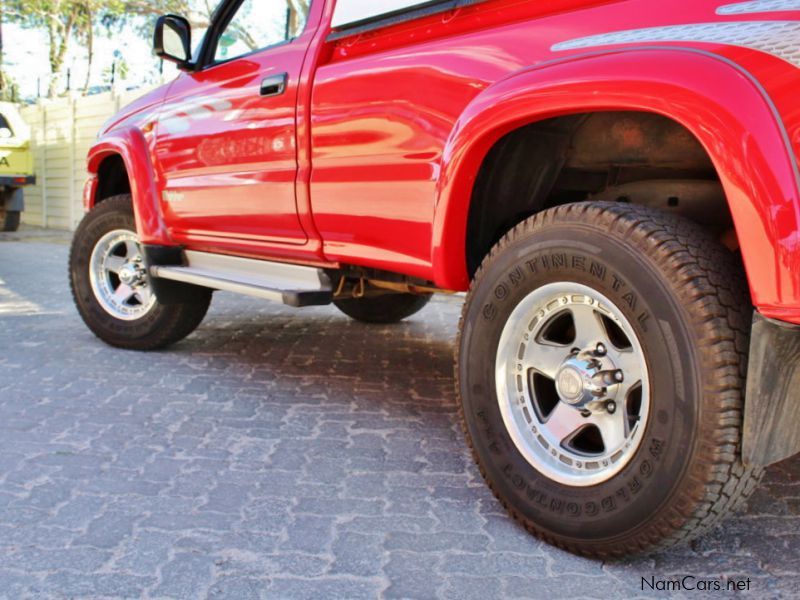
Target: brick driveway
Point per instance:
(280, 454)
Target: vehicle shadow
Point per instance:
(407, 370)
(324, 355)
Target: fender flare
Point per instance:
(131, 145)
(720, 103)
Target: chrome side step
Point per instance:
(288, 284)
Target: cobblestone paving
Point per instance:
(281, 454)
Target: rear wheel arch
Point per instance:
(755, 180)
(631, 157)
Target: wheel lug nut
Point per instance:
(619, 376)
(611, 407)
(600, 350)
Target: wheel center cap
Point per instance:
(129, 275)
(570, 385)
(585, 378)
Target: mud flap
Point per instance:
(772, 403)
(15, 200)
(169, 292)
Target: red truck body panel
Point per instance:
(371, 158)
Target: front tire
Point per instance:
(601, 367)
(111, 286)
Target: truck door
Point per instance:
(225, 144)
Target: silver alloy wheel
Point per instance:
(119, 278)
(572, 384)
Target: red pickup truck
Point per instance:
(614, 183)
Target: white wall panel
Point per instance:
(62, 131)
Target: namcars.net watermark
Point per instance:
(692, 583)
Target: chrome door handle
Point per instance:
(274, 85)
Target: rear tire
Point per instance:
(105, 255)
(10, 219)
(389, 308)
(670, 306)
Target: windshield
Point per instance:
(5, 128)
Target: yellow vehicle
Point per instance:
(16, 166)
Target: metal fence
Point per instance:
(62, 131)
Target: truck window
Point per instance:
(348, 12)
(259, 24)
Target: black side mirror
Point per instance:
(173, 40)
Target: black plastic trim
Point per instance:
(164, 256)
(158, 40)
(168, 292)
(12, 181)
(301, 299)
(772, 405)
(399, 16)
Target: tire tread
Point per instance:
(181, 319)
(708, 277)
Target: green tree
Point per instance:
(197, 11)
(4, 84)
(67, 22)
(61, 19)
(116, 71)
(85, 33)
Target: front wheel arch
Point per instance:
(133, 150)
(112, 178)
